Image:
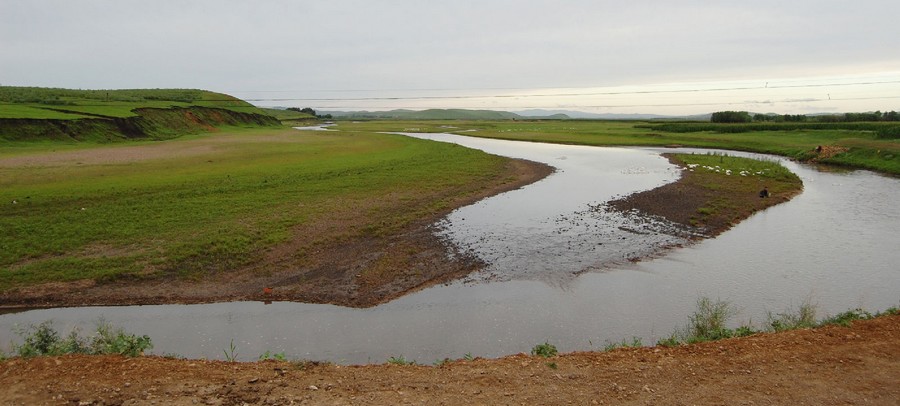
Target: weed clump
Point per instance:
(400, 361)
(43, 339)
(634, 343)
(803, 317)
(846, 318)
(545, 350)
(708, 321)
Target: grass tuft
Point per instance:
(803, 317)
(400, 361)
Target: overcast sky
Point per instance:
(799, 56)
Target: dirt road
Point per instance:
(827, 366)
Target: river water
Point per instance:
(560, 273)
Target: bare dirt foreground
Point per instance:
(828, 366)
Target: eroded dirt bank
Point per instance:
(827, 366)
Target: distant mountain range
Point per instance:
(534, 114)
(439, 114)
(606, 116)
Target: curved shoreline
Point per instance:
(339, 272)
(367, 270)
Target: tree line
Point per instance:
(746, 117)
(309, 111)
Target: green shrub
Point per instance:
(744, 331)
(43, 339)
(545, 350)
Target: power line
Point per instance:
(564, 94)
(576, 106)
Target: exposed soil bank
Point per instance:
(827, 366)
(707, 204)
(357, 270)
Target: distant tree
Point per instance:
(731, 117)
(854, 117)
(306, 110)
(830, 118)
(794, 117)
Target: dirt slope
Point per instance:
(828, 366)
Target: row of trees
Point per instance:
(309, 111)
(745, 117)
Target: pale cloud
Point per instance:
(408, 49)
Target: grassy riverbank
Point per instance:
(207, 206)
(853, 148)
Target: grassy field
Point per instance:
(202, 205)
(288, 115)
(66, 104)
(859, 148)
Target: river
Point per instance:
(560, 271)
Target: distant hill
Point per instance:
(533, 114)
(608, 116)
(440, 114)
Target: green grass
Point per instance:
(64, 104)
(287, 115)
(9, 110)
(218, 208)
(737, 166)
(865, 149)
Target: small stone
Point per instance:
(313, 387)
(254, 380)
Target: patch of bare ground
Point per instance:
(827, 366)
(343, 264)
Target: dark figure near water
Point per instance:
(764, 192)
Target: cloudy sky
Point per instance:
(667, 57)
